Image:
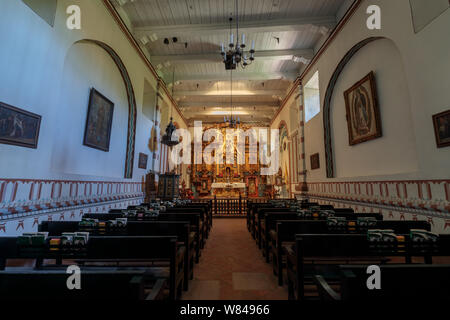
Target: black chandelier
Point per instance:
(236, 54)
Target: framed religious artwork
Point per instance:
(19, 127)
(441, 122)
(315, 161)
(363, 113)
(142, 163)
(99, 118)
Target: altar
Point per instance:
(224, 189)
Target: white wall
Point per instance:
(45, 70)
(402, 174)
(89, 66)
(412, 74)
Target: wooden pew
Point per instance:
(271, 216)
(398, 282)
(204, 209)
(286, 231)
(193, 218)
(314, 254)
(110, 249)
(208, 209)
(203, 223)
(105, 283)
(204, 220)
(259, 217)
(254, 207)
(136, 228)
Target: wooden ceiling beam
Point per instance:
(323, 24)
(296, 55)
(237, 75)
(224, 93)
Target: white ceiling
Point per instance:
(202, 85)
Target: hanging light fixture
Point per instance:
(236, 54)
(232, 122)
(167, 137)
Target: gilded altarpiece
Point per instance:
(226, 179)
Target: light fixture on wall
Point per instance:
(236, 55)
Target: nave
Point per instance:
(232, 267)
(190, 150)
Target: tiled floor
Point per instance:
(232, 267)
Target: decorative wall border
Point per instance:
(327, 102)
(20, 223)
(132, 110)
(23, 197)
(428, 197)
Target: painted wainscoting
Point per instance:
(397, 200)
(25, 203)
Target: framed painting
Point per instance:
(363, 114)
(441, 122)
(143, 158)
(19, 127)
(315, 161)
(97, 132)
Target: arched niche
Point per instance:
(395, 151)
(327, 102)
(90, 54)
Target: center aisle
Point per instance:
(232, 267)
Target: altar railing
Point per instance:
(231, 206)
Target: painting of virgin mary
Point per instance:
(363, 115)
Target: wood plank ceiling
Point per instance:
(286, 33)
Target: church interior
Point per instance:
(197, 150)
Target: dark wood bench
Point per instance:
(202, 211)
(260, 216)
(398, 283)
(320, 254)
(287, 230)
(193, 218)
(267, 222)
(129, 252)
(136, 228)
(106, 283)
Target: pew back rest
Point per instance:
(272, 219)
(133, 228)
(103, 216)
(200, 211)
(287, 229)
(332, 245)
(354, 216)
(131, 247)
(56, 228)
(19, 283)
(193, 218)
(397, 281)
